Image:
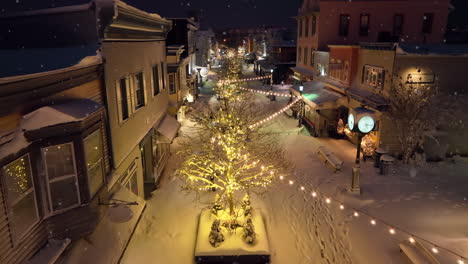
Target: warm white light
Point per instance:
(435, 250)
(328, 200)
(411, 239)
(302, 188)
(460, 261)
(356, 214)
(314, 194)
(392, 231)
(281, 177)
(341, 207)
(373, 222)
(291, 182)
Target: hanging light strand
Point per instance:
(374, 221)
(276, 114)
(266, 92)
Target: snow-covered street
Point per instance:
(428, 202)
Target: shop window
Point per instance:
(94, 157)
(398, 25)
(373, 76)
(155, 80)
(123, 97)
(172, 84)
(364, 25)
(344, 25)
(314, 25)
(427, 23)
(21, 197)
(139, 87)
(61, 177)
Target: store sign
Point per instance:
(420, 78)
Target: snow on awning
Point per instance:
(316, 93)
(169, 127)
(73, 111)
(303, 71)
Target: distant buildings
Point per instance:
(89, 99)
(349, 53)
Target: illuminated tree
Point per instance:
(227, 154)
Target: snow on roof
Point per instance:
(367, 96)
(432, 49)
(169, 127)
(46, 116)
(302, 71)
(19, 62)
(317, 93)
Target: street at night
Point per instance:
(233, 132)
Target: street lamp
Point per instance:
(271, 77)
(365, 124)
(301, 106)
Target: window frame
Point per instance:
(314, 25)
(364, 29)
(343, 30)
(135, 88)
(306, 27)
(9, 205)
(300, 27)
(398, 29)
(100, 161)
(156, 79)
(173, 85)
(163, 74)
(121, 99)
(428, 23)
(47, 181)
(368, 78)
(306, 55)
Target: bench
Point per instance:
(417, 253)
(330, 158)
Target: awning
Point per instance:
(169, 127)
(303, 71)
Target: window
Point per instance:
(398, 24)
(155, 80)
(21, 197)
(306, 27)
(364, 25)
(312, 58)
(373, 76)
(306, 53)
(93, 154)
(172, 85)
(163, 75)
(427, 23)
(299, 55)
(139, 87)
(61, 177)
(345, 71)
(344, 25)
(300, 27)
(122, 98)
(314, 25)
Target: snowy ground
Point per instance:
(430, 203)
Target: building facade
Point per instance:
(326, 22)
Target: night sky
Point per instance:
(218, 14)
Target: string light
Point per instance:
(302, 188)
(411, 240)
(392, 231)
(275, 114)
(373, 222)
(460, 261)
(267, 92)
(356, 214)
(314, 194)
(328, 200)
(435, 250)
(291, 182)
(341, 207)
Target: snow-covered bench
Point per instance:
(417, 253)
(330, 158)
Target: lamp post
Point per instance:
(301, 106)
(365, 124)
(271, 77)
